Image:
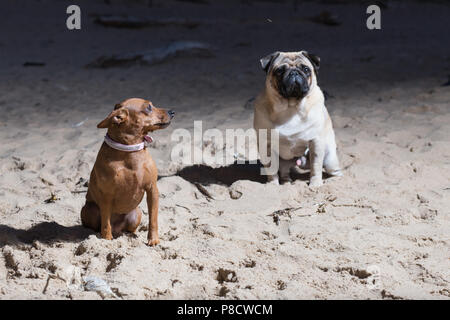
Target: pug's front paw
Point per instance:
(315, 182)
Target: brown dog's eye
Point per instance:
(149, 108)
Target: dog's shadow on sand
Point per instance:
(227, 175)
(44, 232)
(53, 232)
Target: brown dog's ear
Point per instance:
(114, 118)
(266, 62)
(315, 60)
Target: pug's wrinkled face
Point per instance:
(291, 74)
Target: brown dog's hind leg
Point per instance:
(90, 216)
(126, 222)
(133, 219)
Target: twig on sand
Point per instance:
(79, 191)
(33, 64)
(124, 21)
(203, 190)
(154, 56)
(362, 206)
(178, 205)
(50, 276)
(326, 18)
(285, 212)
(79, 124)
(46, 284)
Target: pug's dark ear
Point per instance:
(267, 61)
(117, 106)
(116, 117)
(315, 60)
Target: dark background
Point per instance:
(413, 45)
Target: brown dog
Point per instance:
(124, 170)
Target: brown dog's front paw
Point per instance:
(153, 242)
(107, 236)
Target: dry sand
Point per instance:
(389, 213)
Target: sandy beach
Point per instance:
(382, 231)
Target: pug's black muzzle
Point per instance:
(293, 84)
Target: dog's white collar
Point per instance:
(127, 147)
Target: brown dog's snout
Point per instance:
(171, 114)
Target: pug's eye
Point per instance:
(306, 70)
(149, 108)
(279, 71)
